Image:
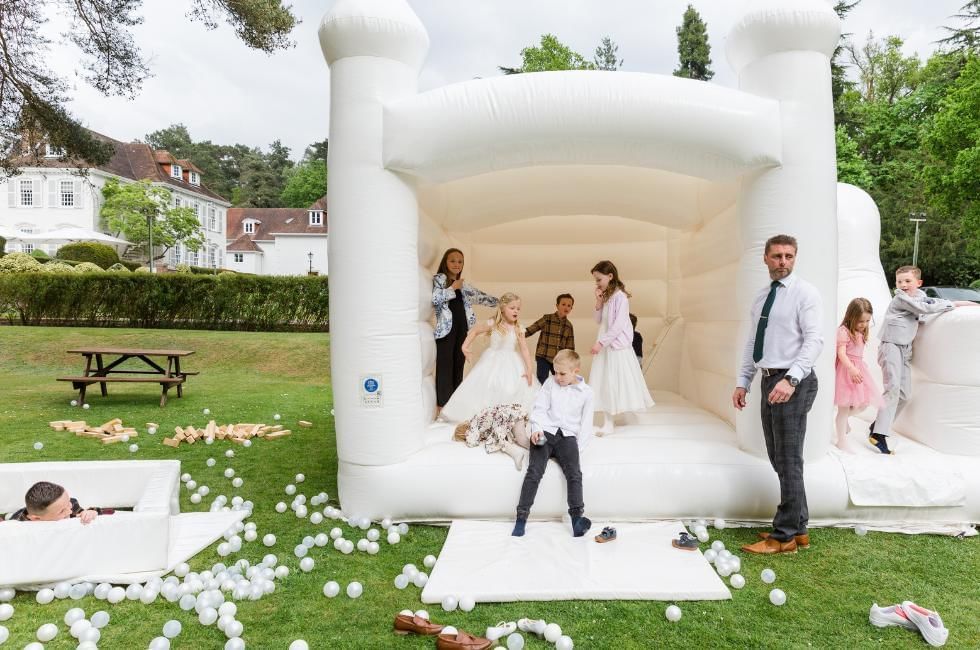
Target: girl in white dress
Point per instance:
(504, 374)
(616, 378)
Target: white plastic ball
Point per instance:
(299, 644)
(102, 590)
(336, 533)
(777, 597)
(466, 603)
(207, 411)
(673, 613)
(422, 614)
(134, 591)
(188, 602)
(362, 544)
(4, 634)
(191, 485)
(224, 549)
(282, 571)
(7, 594)
(429, 561)
(269, 539)
(347, 547)
(72, 615)
(300, 550)
(768, 576)
(38, 446)
(321, 539)
(229, 472)
(210, 462)
(354, 590)
(251, 535)
(421, 579)
(276, 417)
(233, 629)
(134, 448)
(515, 642)
(86, 406)
(204, 490)
(373, 548)
(235, 643)
(74, 402)
(449, 629)
(182, 569)
(394, 538)
(61, 590)
(717, 546)
(237, 482)
(309, 541)
(47, 632)
(861, 530)
(331, 589)
(172, 628)
(450, 603)
(316, 518)
(44, 596)
(208, 616)
(228, 609)
(300, 478)
(195, 498)
(290, 489)
(7, 610)
(185, 477)
(711, 555)
(564, 643)
(281, 507)
(160, 643)
(720, 524)
(552, 632)
(403, 528)
(373, 535)
(78, 627)
(386, 523)
(401, 581)
(247, 443)
(230, 453)
(306, 564)
(90, 635)
(151, 430)
(116, 595)
(737, 580)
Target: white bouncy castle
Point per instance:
(536, 177)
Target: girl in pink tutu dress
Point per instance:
(855, 390)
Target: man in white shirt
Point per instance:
(784, 343)
(561, 425)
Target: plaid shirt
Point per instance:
(556, 334)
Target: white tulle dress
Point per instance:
(495, 379)
(616, 378)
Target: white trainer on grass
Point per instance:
(888, 616)
(500, 630)
(534, 626)
(928, 622)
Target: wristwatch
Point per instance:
(793, 381)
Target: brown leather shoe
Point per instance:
(462, 641)
(770, 546)
(802, 541)
(405, 624)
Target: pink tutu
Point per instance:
(847, 393)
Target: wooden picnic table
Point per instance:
(106, 371)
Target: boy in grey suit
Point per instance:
(908, 308)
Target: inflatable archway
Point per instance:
(538, 176)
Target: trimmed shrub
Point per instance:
(19, 263)
(3, 246)
(40, 255)
(975, 284)
(101, 255)
(58, 267)
(167, 300)
(118, 267)
(88, 267)
(182, 268)
(132, 266)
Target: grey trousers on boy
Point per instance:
(896, 373)
(564, 449)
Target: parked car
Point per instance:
(953, 293)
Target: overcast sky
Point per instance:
(228, 94)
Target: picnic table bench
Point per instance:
(154, 373)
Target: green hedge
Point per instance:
(101, 255)
(975, 284)
(224, 302)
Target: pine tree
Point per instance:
(693, 47)
(606, 56)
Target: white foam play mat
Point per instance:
(482, 560)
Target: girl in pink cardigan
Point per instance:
(616, 378)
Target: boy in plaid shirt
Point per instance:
(556, 334)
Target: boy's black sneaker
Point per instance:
(880, 442)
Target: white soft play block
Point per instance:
(482, 560)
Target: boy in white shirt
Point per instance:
(561, 425)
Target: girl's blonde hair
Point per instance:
(608, 268)
(498, 318)
(852, 315)
(459, 433)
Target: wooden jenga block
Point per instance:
(179, 430)
(237, 441)
(152, 424)
(90, 434)
(304, 423)
(117, 428)
(179, 437)
(277, 434)
(108, 426)
(211, 428)
(190, 432)
(111, 440)
(171, 442)
(129, 431)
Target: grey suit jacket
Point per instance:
(904, 314)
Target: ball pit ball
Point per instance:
(79, 627)
(281, 507)
(160, 643)
(373, 535)
(306, 564)
(354, 590)
(673, 613)
(269, 540)
(336, 533)
(362, 545)
(7, 610)
(403, 529)
(251, 535)
(44, 596)
(230, 453)
(191, 485)
(276, 417)
(207, 411)
(47, 632)
(702, 534)
(300, 478)
(7, 594)
(4, 634)
(717, 546)
(237, 482)
(224, 549)
(401, 581)
(282, 571)
(552, 632)
(422, 614)
(429, 561)
(737, 581)
(720, 524)
(347, 548)
(331, 589)
(386, 523)
(564, 643)
(777, 597)
(38, 446)
(229, 472)
(290, 489)
(515, 642)
(100, 619)
(247, 443)
(301, 512)
(86, 406)
(208, 616)
(300, 550)
(316, 518)
(151, 430)
(321, 539)
(210, 462)
(466, 603)
(450, 603)
(234, 629)
(116, 595)
(394, 538)
(373, 548)
(61, 590)
(182, 569)
(861, 531)
(74, 402)
(711, 555)
(768, 576)
(421, 579)
(449, 629)
(124, 438)
(299, 644)
(72, 615)
(235, 643)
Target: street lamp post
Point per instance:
(149, 227)
(917, 218)
(310, 257)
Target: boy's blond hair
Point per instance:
(914, 270)
(461, 430)
(567, 356)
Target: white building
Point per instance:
(278, 241)
(52, 194)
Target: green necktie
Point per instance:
(760, 330)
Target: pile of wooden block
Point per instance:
(237, 433)
(111, 432)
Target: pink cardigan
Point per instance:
(619, 331)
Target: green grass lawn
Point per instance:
(248, 377)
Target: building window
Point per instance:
(176, 171)
(176, 201)
(249, 227)
(51, 151)
(212, 220)
(197, 210)
(212, 258)
(316, 217)
(195, 178)
(239, 258)
(67, 194)
(175, 254)
(27, 248)
(192, 258)
(26, 194)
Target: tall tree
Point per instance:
(851, 167)
(693, 48)
(967, 35)
(607, 55)
(839, 82)
(551, 54)
(305, 183)
(317, 151)
(33, 98)
(130, 207)
(886, 73)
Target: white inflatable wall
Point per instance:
(538, 176)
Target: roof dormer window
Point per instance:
(51, 151)
(249, 227)
(316, 217)
(194, 178)
(176, 171)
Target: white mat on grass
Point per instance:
(481, 559)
